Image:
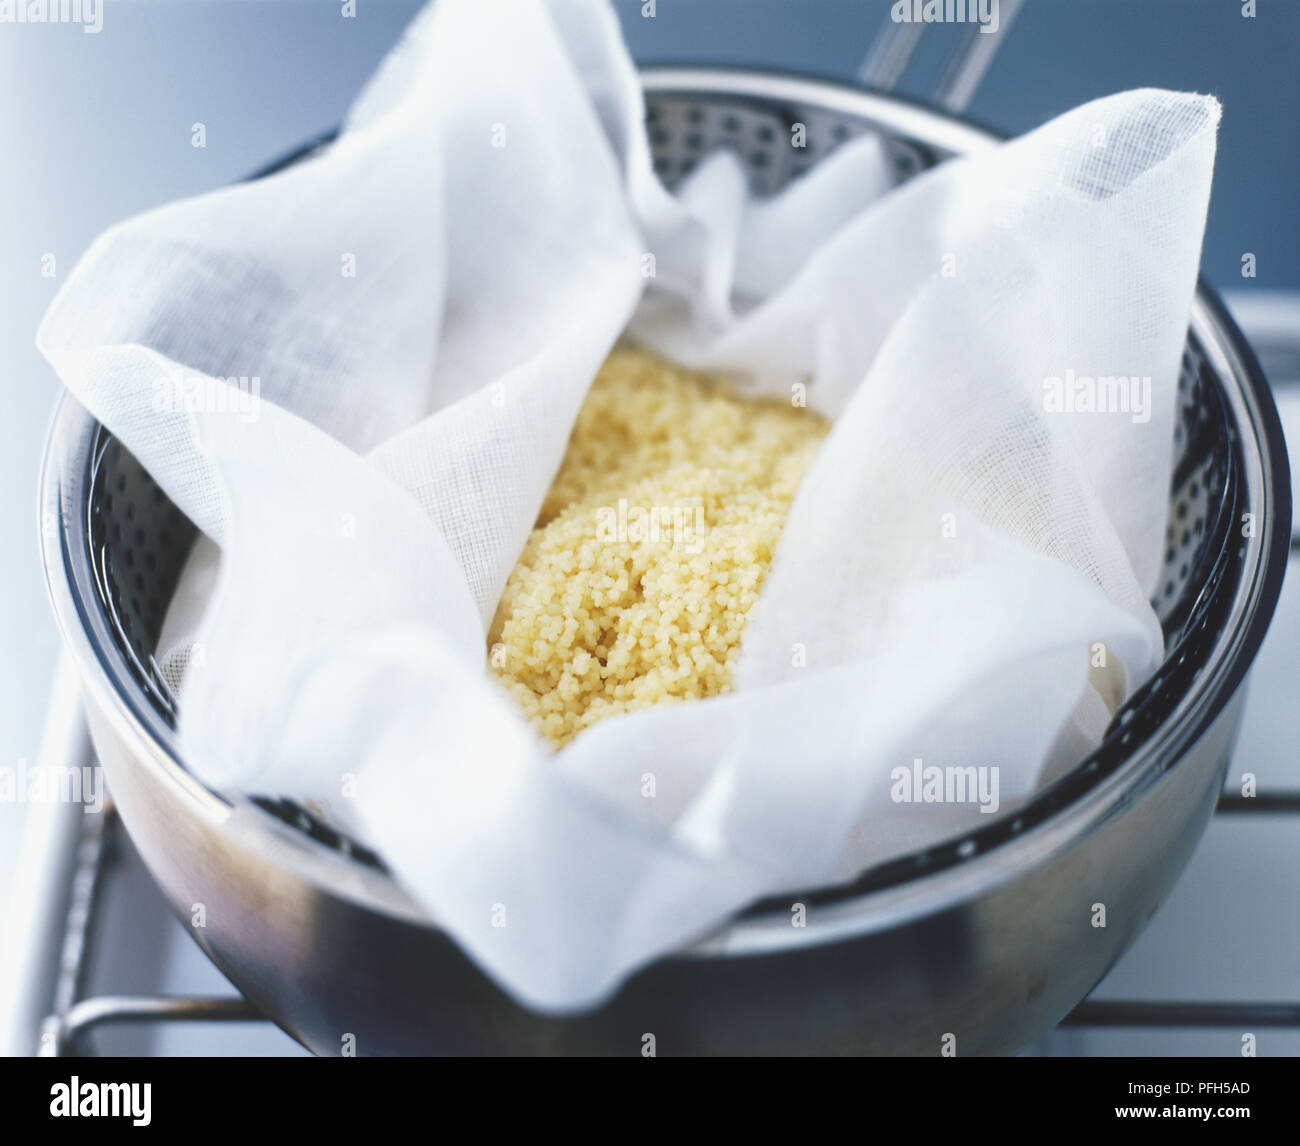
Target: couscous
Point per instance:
(651, 546)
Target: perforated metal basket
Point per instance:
(995, 900)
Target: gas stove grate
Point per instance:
(68, 1031)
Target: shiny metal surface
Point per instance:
(990, 948)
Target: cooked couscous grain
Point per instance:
(651, 545)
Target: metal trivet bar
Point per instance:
(67, 1031)
(1113, 1013)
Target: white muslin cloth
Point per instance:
(424, 304)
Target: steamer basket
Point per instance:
(987, 937)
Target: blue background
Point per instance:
(1057, 54)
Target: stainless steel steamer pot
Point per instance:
(987, 938)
